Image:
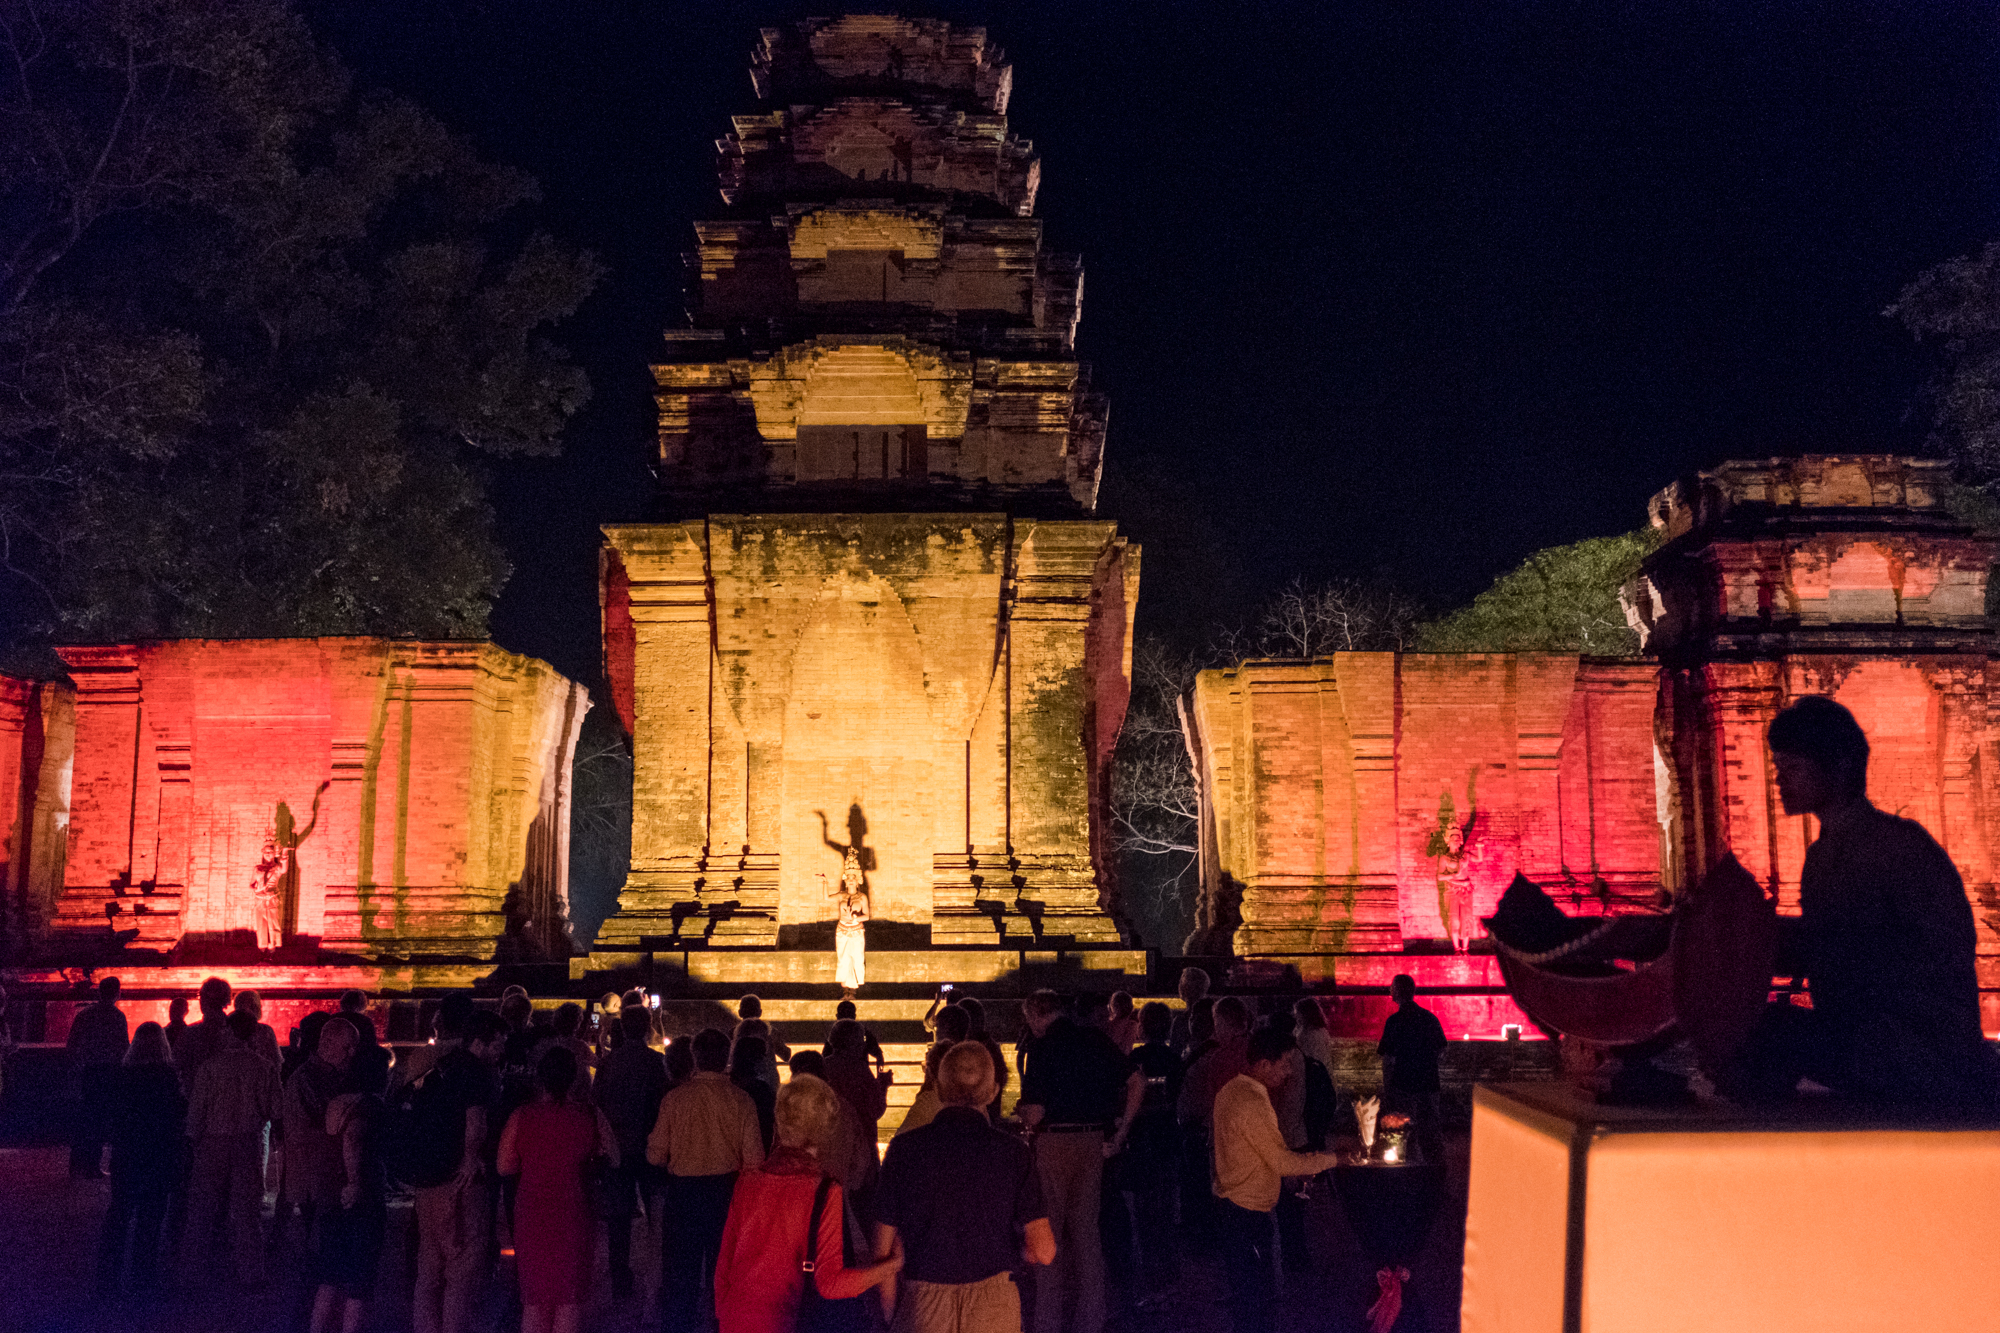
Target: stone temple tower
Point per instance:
(875, 610)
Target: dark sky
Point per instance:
(1398, 287)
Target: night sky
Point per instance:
(1395, 288)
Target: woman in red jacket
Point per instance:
(759, 1275)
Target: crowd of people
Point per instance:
(1138, 1131)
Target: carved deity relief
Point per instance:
(1450, 846)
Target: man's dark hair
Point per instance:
(711, 1051)
(455, 1012)
(243, 1024)
(214, 996)
(1817, 728)
(1403, 983)
(1156, 1021)
(679, 1057)
(953, 1024)
(809, 1062)
(638, 1024)
(845, 1009)
(353, 1001)
(556, 1071)
(310, 1028)
(1043, 1004)
(847, 1035)
(568, 1018)
(1270, 1043)
(750, 1007)
(485, 1026)
(1230, 1009)
(747, 1055)
(107, 990)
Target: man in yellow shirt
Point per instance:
(1250, 1162)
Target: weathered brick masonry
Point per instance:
(442, 772)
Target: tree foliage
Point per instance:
(1563, 599)
(1956, 307)
(256, 330)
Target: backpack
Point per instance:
(423, 1135)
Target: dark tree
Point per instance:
(256, 330)
(1955, 306)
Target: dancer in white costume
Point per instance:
(849, 932)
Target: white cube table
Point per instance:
(1595, 1219)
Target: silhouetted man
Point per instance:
(1412, 1041)
(1884, 939)
(97, 1041)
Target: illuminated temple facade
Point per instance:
(403, 807)
(1326, 786)
(876, 610)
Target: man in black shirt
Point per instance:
(455, 1103)
(966, 1203)
(1884, 938)
(1412, 1041)
(1071, 1091)
(630, 1082)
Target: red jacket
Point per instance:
(758, 1280)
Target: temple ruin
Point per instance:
(876, 612)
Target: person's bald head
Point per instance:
(965, 1076)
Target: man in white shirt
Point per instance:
(1249, 1164)
(706, 1133)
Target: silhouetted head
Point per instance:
(975, 1014)
(1155, 1021)
(338, 1041)
(568, 1019)
(455, 1014)
(845, 1009)
(309, 1029)
(1403, 988)
(149, 1046)
(680, 1059)
(177, 1009)
(243, 1025)
(1041, 1009)
(748, 1058)
(556, 1071)
(711, 1051)
(637, 1025)
(1309, 1015)
(1821, 755)
(107, 990)
(214, 997)
(486, 1036)
(1232, 1017)
(516, 1009)
(251, 1003)
(846, 1036)
(1194, 984)
(750, 1007)
(353, 1002)
(953, 1024)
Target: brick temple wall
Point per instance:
(941, 690)
(1322, 783)
(440, 772)
(37, 745)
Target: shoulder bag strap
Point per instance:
(810, 1263)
